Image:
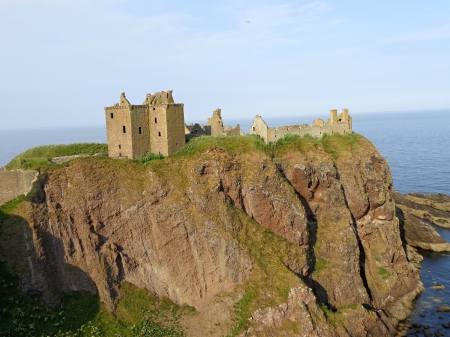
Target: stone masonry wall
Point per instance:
(175, 127)
(341, 124)
(14, 183)
(119, 142)
(158, 129)
(140, 130)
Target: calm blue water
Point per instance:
(415, 144)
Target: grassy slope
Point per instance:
(139, 313)
(39, 157)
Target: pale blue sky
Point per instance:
(62, 61)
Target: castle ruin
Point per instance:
(156, 126)
(341, 124)
(213, 127)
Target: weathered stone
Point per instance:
(156, 126)
(341, 124)
(15, 183)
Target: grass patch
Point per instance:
(149, 157)
(9, 207)
(335, 145)
(39, 157)
(82, 314)
(321, 264)
(384, 273)
(232, 144)
(270, 280)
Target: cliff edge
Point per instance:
(299, 238)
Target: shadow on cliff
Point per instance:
(401, 223)
(319, 291)
(33, 298)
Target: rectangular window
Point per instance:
(120, 146)
(156, 121)
(120, 154)
(159, 134)
(140, 130)
(176, 144)
(124, 129)
(254, 129)
(112, 115)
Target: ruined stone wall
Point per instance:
(14, 183)
(259, 127)
(140, 131)
(216, 123)
(118, 120)
(158, 129)
(341, 124)
(175, 127)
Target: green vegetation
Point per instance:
(39, 157)
(9, 207)
(335, 145)
(138, 313)
(270, 279)
(232, 144)
(321, 264)
(384, 273)
(149, 157)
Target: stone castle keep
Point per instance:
(157, 126)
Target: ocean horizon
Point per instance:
(415, 143)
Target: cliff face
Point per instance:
(305, 234)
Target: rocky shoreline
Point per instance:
(416, 211)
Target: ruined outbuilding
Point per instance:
(341, 124)
(213, 127)
(156, 126)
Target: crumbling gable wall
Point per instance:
(218, 129)
(341, 124)
(216, 123)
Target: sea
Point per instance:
(416, 145)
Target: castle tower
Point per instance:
(344, 115)
(126, 129)
(155, 126)
(333, 116)
(166, 123)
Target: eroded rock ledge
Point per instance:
(416, 211)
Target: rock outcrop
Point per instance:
(304, 233)
(416, 211)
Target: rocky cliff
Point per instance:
(298, 239)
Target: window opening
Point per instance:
(112, 115)
(140, 130)
(254, 129)
(120, 146)
(124, 129)
(156, 120)
(159, 134)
